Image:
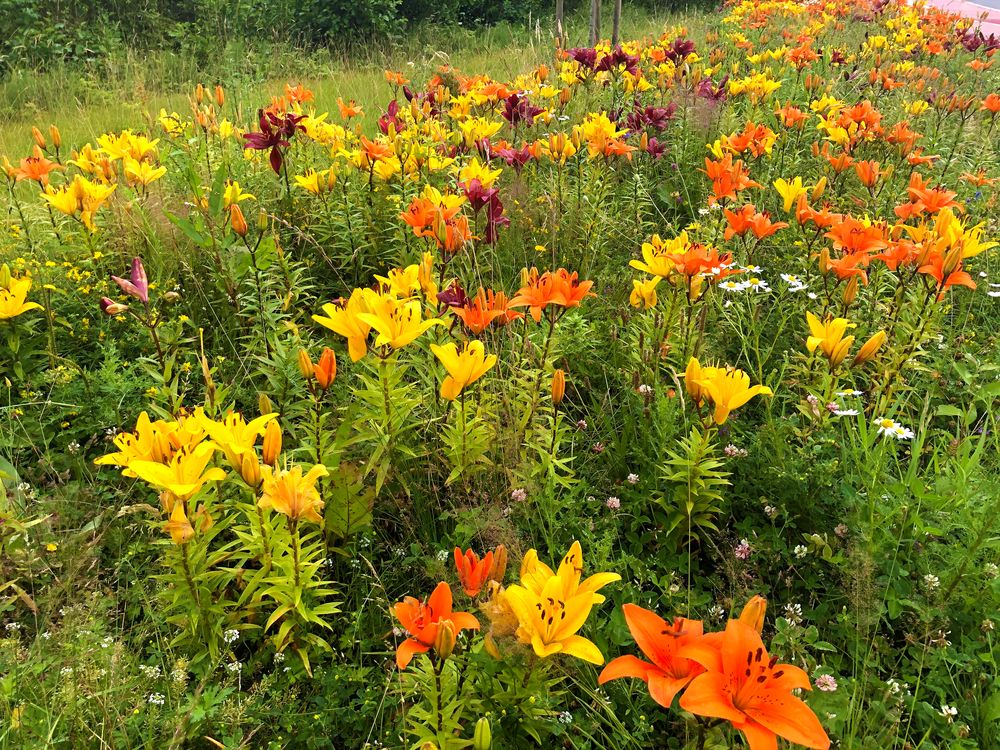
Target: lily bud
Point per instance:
(250, 469)
(326, 370)
(55, 135)
(490, 646)
(870, 348)
(499, 567)
(564, 96)
(220, 96)
(824, 261)
(558, 387)
(264, 405)
(444, 643)
(111, 308)
(753, 613)
(272, 443)
(199, 93)
(839, 354)
(261, 220)
(952, 260)
(8, 168)
(851, 290)
(39, 138)
(305, 364)
(819, 188)
(482, 738)
(5, 277)
(238, 221)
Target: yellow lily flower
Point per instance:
(552, 607)
(13, 296)
(234, 194)
(729, 390)
(656, 255)
(464, 368)
(345, 319)
(402, 282)
(397, 322)
(234, 434)
(693, 377)
(141, 172)
(185, 474)
(291, 493)
(474, 170)
(644, 293)
(790, 191)
(829, 337)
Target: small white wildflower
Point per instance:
(442, 555)
(565, 718)
(633, 479)
(645, 389)
(931, 581)
(519, 495)
(770, 511)
(949, 712)
(150, 672)
(231, 636)
(234, 667)
(826, 682)
(755, 284)
(801, 551)
(613, 502)
(156, 699)
(846, 412)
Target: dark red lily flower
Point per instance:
(275, 130)
(494, 219)
(390, 118)
(516, 158)
(586, 56)
(619, 57)
(655, 149)
(453, 296)
(136, 285)
(679, 50)
(517, 109)
(477, 195)
(708, 90)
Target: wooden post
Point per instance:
(595, 22)
(560, 24)
(616, 23)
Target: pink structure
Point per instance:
(989, 25)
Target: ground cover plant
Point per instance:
(641, 398)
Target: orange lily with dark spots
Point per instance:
(743, 685)
(660, 641)
(422, 620)
(473, 572)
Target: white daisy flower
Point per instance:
(755, 284)
(845, 412)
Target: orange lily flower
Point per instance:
(422, 621)
(473, 572)
(744, 686)
(36, 168)
(668, 673)
(536, 292)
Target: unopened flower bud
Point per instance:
(870, 348)
(499, 567)
(851, 290)
(250, 469)
(272, 443)
(444, 643)
(220, 96)
(238, 221)
(264, 405)
(753, 613)
(482, 738)
(5, 276)
(199, 93)
(326, 369)
(558, 387)
(39, 138)
(819, 189)
(111, 308)
(55, 135)
(305, 364)
(261, 220)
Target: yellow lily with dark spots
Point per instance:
(551, 607)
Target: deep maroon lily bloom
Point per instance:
(516, 158)
(586, 56)
(494, 219)
(708, 90)
(517, 109)
(137, 285)
(390, 118)
(453, 296)
(275, 130)
(679, 50)
(655, 149)
(618, 57)
(478, 195)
